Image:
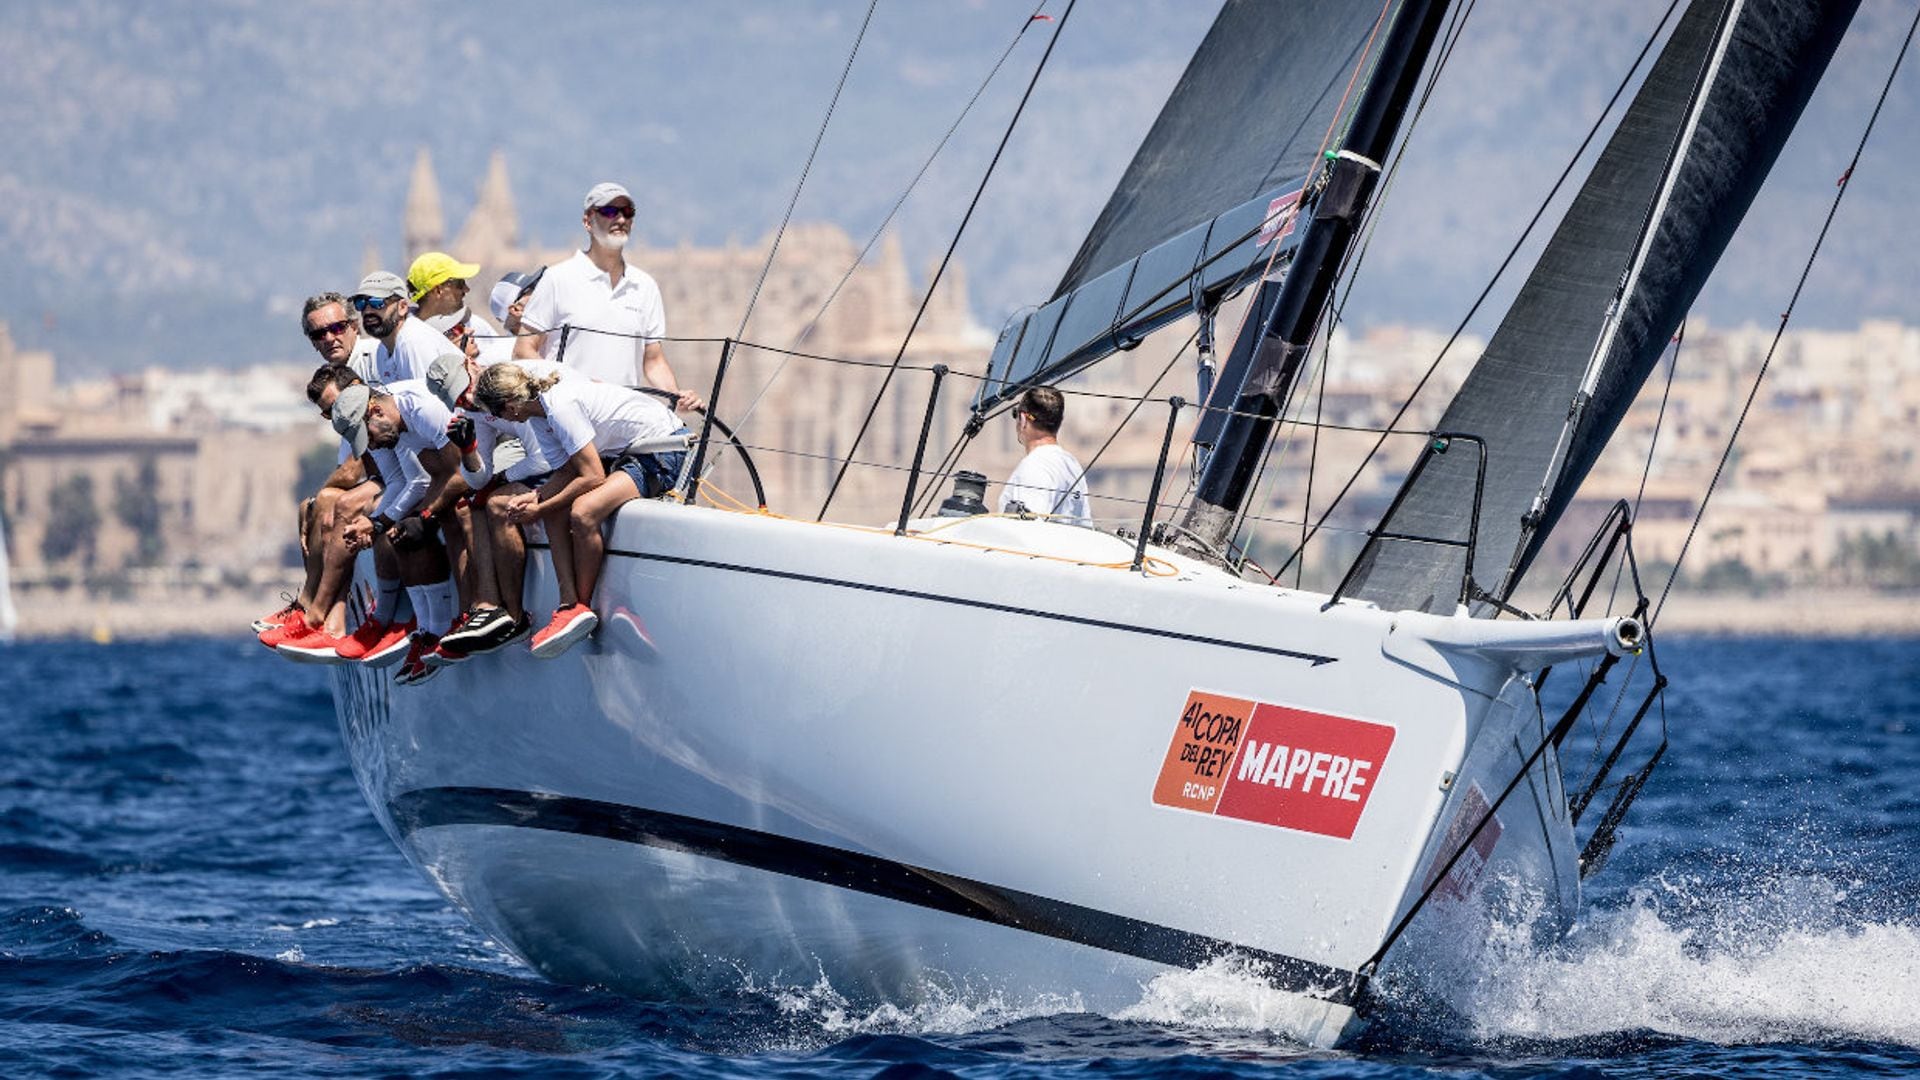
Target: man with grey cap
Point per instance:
(407, 344)
(606, 311)
(406, 417)
(499, 458)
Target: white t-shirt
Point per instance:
(579, 294)
(1048, 481)
(611, 417)
(425, 419)
(495, 344)
(414, 348)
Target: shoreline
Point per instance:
(1798, 613)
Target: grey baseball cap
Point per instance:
(381, 283)
(602, 194)
(447, 378)
(350, 416)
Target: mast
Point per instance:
(1348, 186)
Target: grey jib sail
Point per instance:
(1239, 132)
(1658, 209)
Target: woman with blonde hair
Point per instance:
(587, 429)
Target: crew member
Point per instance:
(407, 418)
(1048, 481)
(595, 433)
(407, 344)
(613, 309)
(499, 459)
(320, 609)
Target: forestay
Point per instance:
(1612, 286)
(1209, 193)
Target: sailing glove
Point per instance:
(460, 430)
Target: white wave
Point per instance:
(1224, 994)
(942, 1010)
(294, 955)
(1782, 964)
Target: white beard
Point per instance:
(604, 236)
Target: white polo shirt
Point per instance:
(414, 349)
(579, 294)
(612, 418)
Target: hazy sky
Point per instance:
(179, 175)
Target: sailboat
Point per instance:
(9, 617)
(1006, 754)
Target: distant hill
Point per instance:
(178, 176)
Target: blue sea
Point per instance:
(191, 885)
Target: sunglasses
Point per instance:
(612, 212)
(315, 333)
(372, 303)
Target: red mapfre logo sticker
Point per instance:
(1272, 764)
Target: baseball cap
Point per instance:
(512, 286)
(434, 268)
(446, 323)
(350, 413)
(447, 378)
(602, 194)
(381, 283)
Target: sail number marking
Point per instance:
(1272, 764)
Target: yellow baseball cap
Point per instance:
(436, 267)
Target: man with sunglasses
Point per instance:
(329, 325)
(607, 311)
(407, 345)
(1048, 481)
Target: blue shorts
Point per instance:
(653, 474)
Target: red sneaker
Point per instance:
(312, 647)
(290, 630)
(278, 618)
(445, 655)
(416, 669)
(376, 644)
(568, 626)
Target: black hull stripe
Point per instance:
(428, 807)
(960, 601)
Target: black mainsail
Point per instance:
(1611, 287)
(1204, 200)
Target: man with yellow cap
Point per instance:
(438, 282)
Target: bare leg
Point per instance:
(482, 589)
(454, 534)
(508, 552)
(584, 520)
(560, 544)
(336, 562)
(313, 548)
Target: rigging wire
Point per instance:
(880, 230)
(819, 136)
(1499, 272)
(874, 408)
(1846, 179)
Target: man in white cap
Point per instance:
(607, 312)
(406, 418)
(507, 303)
(499, 459)
(407, 345)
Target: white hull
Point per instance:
(902, 764)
